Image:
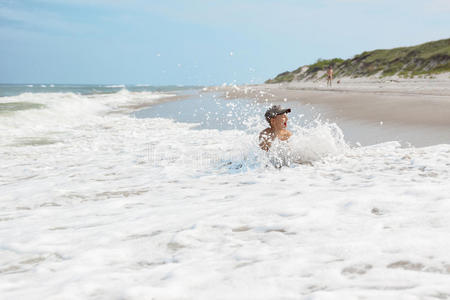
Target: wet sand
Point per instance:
(145, 104)
(413, 111)
(401, 107)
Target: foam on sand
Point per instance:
(113, 206)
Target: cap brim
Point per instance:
(284, 111)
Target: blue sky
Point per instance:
(199, 42)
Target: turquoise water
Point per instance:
(16, 106)
(87, 89)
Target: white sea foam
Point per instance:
(116, 86)
(109, 206)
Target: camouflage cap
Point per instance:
(274, 111)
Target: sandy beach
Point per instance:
(418, 102)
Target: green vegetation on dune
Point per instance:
(286, 76)
(425, 59)
(322, 64)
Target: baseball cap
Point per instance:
(274, 111)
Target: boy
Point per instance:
(277, 119)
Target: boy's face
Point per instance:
(279, 122)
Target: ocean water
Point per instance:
(101, 200)
(85, 89)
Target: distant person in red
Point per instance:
(277, 119)
(329, 75)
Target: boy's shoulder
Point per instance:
(287, 132)
(284, 134)
(266, 133)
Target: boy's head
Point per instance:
(276, 116)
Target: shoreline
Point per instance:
(143, 105)
(424, 102)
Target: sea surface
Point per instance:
(85, 89)
(114, 192)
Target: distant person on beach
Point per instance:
(277, 119)
(329, 75)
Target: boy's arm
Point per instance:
(264, 141)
